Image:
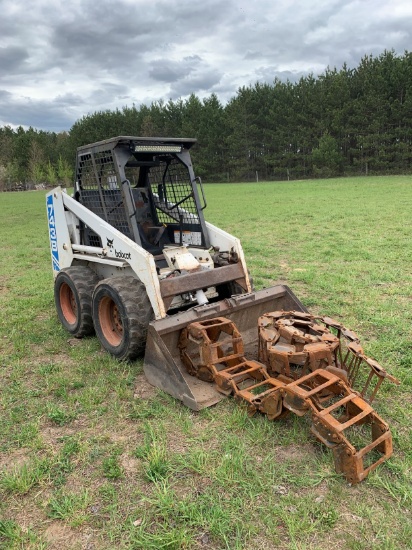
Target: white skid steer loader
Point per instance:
(135, 261)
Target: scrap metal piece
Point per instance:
(206, 347)
(216, 347)
(360, 439)
(266, 397)
(308, 392)
(344, 421)
(307, 343)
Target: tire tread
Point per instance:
(139, 312)
(84, 280)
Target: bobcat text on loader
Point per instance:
(135, 262)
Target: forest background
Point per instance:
(340, 123)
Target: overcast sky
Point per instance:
(62, 60)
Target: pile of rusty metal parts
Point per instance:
(306, 364)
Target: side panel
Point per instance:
(61, 256)
(227, 242)
(117, 246)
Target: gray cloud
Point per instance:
(200, 81)
(5, 96)
(59, 61)
(12, 59)
(55, 115)
(166, 70)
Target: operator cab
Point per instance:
(145, 188)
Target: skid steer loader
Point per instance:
(135, 262)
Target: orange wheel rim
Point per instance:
(110, 321)
(68, 303)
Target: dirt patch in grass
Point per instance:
(295, 452)
(187, 484)
(43, 317)
(142, 388)
(4, 286)
(52, 434)
(129, 464)
(26, 511)
(260, 542)
(61, 536)
(79, 479)
(284, 264)
(176, 443)
(14, 459)
(74, 342)
(125, 437)
(38, 357)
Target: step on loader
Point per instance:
(135, 262)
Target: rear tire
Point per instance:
(122, 313)
(73, 291)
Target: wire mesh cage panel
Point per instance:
(148, 197)
(100, 192)
(132, 175)
(173, 193)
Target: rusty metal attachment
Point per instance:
(343, 421)
(294, 343)
(304, 368)
(213, 351)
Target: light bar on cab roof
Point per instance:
(158, 148)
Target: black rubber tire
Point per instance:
(73, 292)
(122, 313)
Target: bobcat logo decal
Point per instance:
(118, 253)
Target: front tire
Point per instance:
(73, 291)
(121, 314)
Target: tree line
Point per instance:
(342, 122)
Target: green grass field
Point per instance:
(92, 457)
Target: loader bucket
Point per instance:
(162, 364)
